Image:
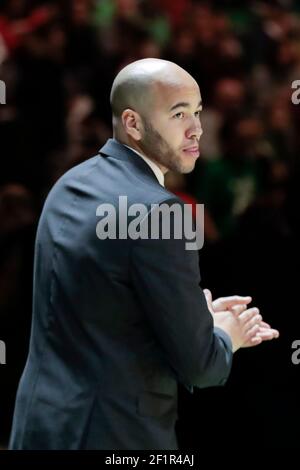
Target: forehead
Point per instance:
(167, 94)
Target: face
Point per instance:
(172, 128)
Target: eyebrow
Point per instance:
(183, 104)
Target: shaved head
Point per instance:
(155, 106)
(134, 85)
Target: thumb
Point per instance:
(208, 297)
(207, 294)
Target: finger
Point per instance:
(248, 314)
(252, 322)
(266, 334)
(265, 337)
(228, 302)
(238, 309)
(207, 294)
(263, 324)
(268, 330)
(255, 340)
(208, 298)
(251, 333)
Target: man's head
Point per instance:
(156, 106)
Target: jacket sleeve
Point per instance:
(166, 279)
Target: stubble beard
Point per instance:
(155, 147)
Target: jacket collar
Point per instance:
(114, 149)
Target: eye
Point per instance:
(179, 115)
(197, 113)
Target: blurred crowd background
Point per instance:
(58, 60)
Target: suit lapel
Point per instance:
(115, 149)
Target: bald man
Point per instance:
(119, 318)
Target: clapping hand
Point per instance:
(257, 330)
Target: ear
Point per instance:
(132, 124)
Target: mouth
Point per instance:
(192, 151)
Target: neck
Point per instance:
(134, 145)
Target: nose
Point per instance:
(195, 129)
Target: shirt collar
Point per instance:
(154, 167)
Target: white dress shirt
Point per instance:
(154, 167)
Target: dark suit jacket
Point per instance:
(117, 323)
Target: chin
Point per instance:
(182, 165)
(186, 168)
